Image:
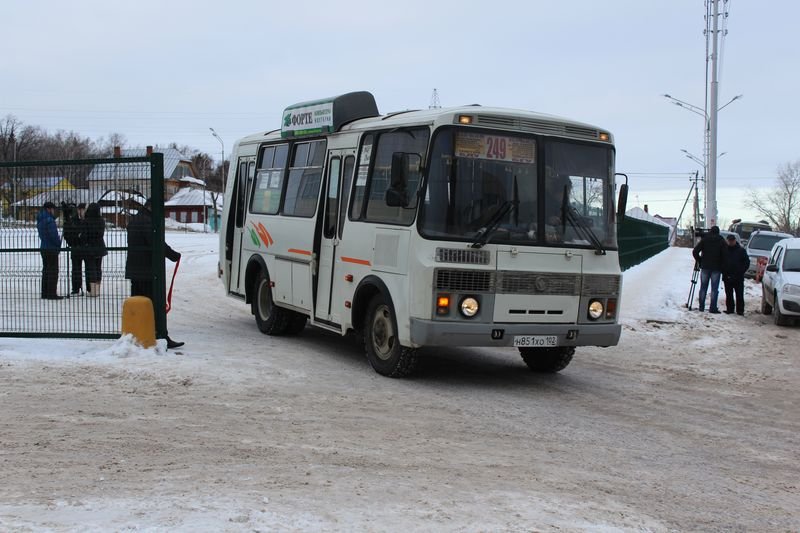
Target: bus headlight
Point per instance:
(469, 307)
(595, 309)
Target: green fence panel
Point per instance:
(640, 240)
(47, 293)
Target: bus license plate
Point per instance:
(535, 341)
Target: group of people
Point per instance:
(717, 257)
(84, 229)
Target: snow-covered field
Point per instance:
(690, 424)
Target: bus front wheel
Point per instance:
(271, 319)
(384, 351)
(549, 360)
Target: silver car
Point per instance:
(759, 245)
(780, 288)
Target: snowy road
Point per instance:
(692, 423)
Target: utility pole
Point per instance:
(696, 202)
(711, 183)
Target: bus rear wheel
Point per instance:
(384, 351)
(270, 319)
(549, 360)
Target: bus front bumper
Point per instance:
(439, 333)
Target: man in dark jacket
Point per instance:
(50, 248)
(139, 264)
(73, 219)
(710, 253)
(736, 265)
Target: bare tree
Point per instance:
(104, 146)
(781, 205)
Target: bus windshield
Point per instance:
(474, 176)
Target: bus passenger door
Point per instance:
(339, 176)
(245, 173)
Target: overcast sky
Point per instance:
(159, 72)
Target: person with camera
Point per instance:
(711, 254)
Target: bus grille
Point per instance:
(600, 285)
(510, 282)
(464, 280)
(465, 257)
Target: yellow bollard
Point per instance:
(139, 321)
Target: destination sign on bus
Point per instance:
(496, 147)
(308, 120)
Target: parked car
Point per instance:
(780, 287)
(745, 229)
(760, 245)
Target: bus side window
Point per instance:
(305, 175)
(412, 142)
(332, 198)
(266, 194)
(347, 180)
(240, 188)
(360, 188)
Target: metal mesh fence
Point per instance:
(640, 240)
(63, 243)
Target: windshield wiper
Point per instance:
(483, 234)
(583, 231)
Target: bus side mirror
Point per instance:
(622, 202)
(397, 193)
(396, 198)
(772, 268)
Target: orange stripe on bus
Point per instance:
(356, 261)
(301, 252)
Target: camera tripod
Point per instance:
(693, 285)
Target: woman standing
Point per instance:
(94, 228)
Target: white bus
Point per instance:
(469, 226)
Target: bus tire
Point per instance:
(548, 360)
(270, 319)
(297, 323)
(384, 351)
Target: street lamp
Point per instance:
(694, 158)
(222, 144)
(709, 162)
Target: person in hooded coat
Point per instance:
(95, 249)
(139, 264)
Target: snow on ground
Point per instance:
(689, 424)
